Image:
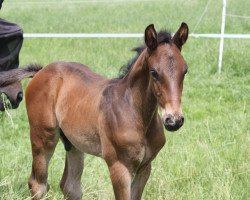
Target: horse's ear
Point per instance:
(151, 37)
(181, 35)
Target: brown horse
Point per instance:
(10, 84)
(115, 119)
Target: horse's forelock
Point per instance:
(163, 36)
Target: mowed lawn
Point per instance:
(208, 158)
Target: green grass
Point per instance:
(208, 158)
(114, 16)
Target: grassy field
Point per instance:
(209, 158)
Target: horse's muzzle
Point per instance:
(14, 101)
(173, 122)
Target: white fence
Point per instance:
(222, 35)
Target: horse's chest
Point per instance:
(133, 147)
(148, 155)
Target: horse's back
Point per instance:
(66, 74)
(60, 89)
(69, 70)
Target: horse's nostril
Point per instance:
(19, 97)
(169, 121)
(181, 121)
(173, 123)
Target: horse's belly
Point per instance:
(78, 121)
(87, 142)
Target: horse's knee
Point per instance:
(38, 190)
(70, 191)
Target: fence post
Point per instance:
(223, 22)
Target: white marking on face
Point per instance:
(167, 110)
(164, 112)
(170, 51)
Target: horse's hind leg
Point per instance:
(71, 180)
(43, 142)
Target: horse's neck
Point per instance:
(137, 82)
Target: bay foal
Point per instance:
(115, 119)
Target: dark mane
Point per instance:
(162, 37)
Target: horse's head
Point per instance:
(10, 83)
(167, 69)
(14, 94)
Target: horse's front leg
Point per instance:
(140, 181)
(121, 180)
(155, 141)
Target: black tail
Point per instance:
(14, 75)
(34, 67)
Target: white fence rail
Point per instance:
(220, 35)
(126, 35)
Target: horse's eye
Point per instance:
(154, 73)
